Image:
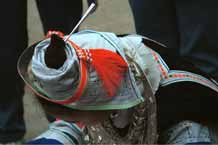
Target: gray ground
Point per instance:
(111, 15)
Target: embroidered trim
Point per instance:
(174, 76)
(180, 76)
(161, 64)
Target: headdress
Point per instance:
(89, 79)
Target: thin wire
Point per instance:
(91, 7)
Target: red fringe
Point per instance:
(110, 68)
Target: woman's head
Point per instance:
(56, 71)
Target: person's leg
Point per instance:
(59, 15)
(156, 19)
(13, 40)
(198, 27)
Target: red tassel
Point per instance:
(110, 68)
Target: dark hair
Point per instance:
(55, 55)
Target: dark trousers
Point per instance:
(188, 28)
(55, 15)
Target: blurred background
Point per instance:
(111, 15)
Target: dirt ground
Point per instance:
(111, 15)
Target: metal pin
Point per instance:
(91, 7)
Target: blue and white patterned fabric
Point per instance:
(61, 133)
(187, 132)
